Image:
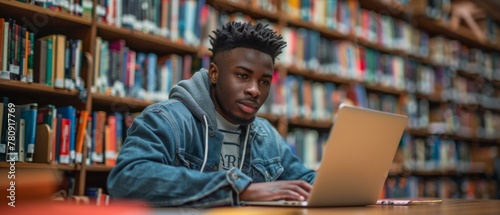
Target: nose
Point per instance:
(253, 89)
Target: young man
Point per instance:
(204, 146)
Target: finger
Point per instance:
(288, 195)
(304, 185)
(299, 190)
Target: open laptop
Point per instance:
(356, 159)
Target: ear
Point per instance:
(213, 73)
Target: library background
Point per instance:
(75, 73)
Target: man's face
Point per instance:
(242, 79)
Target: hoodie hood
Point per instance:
(194, 93)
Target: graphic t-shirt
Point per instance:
(230, 151)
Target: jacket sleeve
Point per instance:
(293, 167)
(145, 169)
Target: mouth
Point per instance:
(248, 106)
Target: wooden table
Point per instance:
(452, 207)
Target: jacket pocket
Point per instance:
(266, 171)
(188, 161)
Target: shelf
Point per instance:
(121, 104)
(425, 133)
(204, 52)
(438, 27)
(430, 98)
(325, 32)
(380, 48)
(396, 10)
(143, 42)
(37, 88)
(468, 74)
(270, 117)
(316, 76)
(491, 8)
(21, 92)
(228, 6)
(35, 17)
(423, 60)
(384, 89)
(463, 34)
(317, 124)
(99, 168)
(39, 166)
(436, 173)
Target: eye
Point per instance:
(242, 75)
(265, 82)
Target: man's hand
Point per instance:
(278, 190)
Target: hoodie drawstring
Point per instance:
(244, 148)
(206, 144)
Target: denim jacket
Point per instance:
(166, 162)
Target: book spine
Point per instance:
(30, 56)
(110, 141)
(5, 56)
(49, 78)
(2, 21)
(30, 117)
(3, 131)
(21, 142)
(64, 157)
(80, 135)
(59, 50)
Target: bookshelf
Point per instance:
(143, 41)
(42, 166)
(131, 104)
(88, 29)
(38, 17)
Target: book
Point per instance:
(2, 29)
(21, 142)
(58, 131)
(99, 121)
(43, 144)
(30, 55)
(88, 139)
(110, 141)
(59, 45)
(47, 114)
(96, 71)
(29, 115)
(48, 60)
(5, 46)
(68, 71)
(64, 148)
(69, 113)
(4, 110)
(80, 135)
(119, 130)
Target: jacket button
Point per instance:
(235, 176)
(212, 133)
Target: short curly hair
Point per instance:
(245, 35)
